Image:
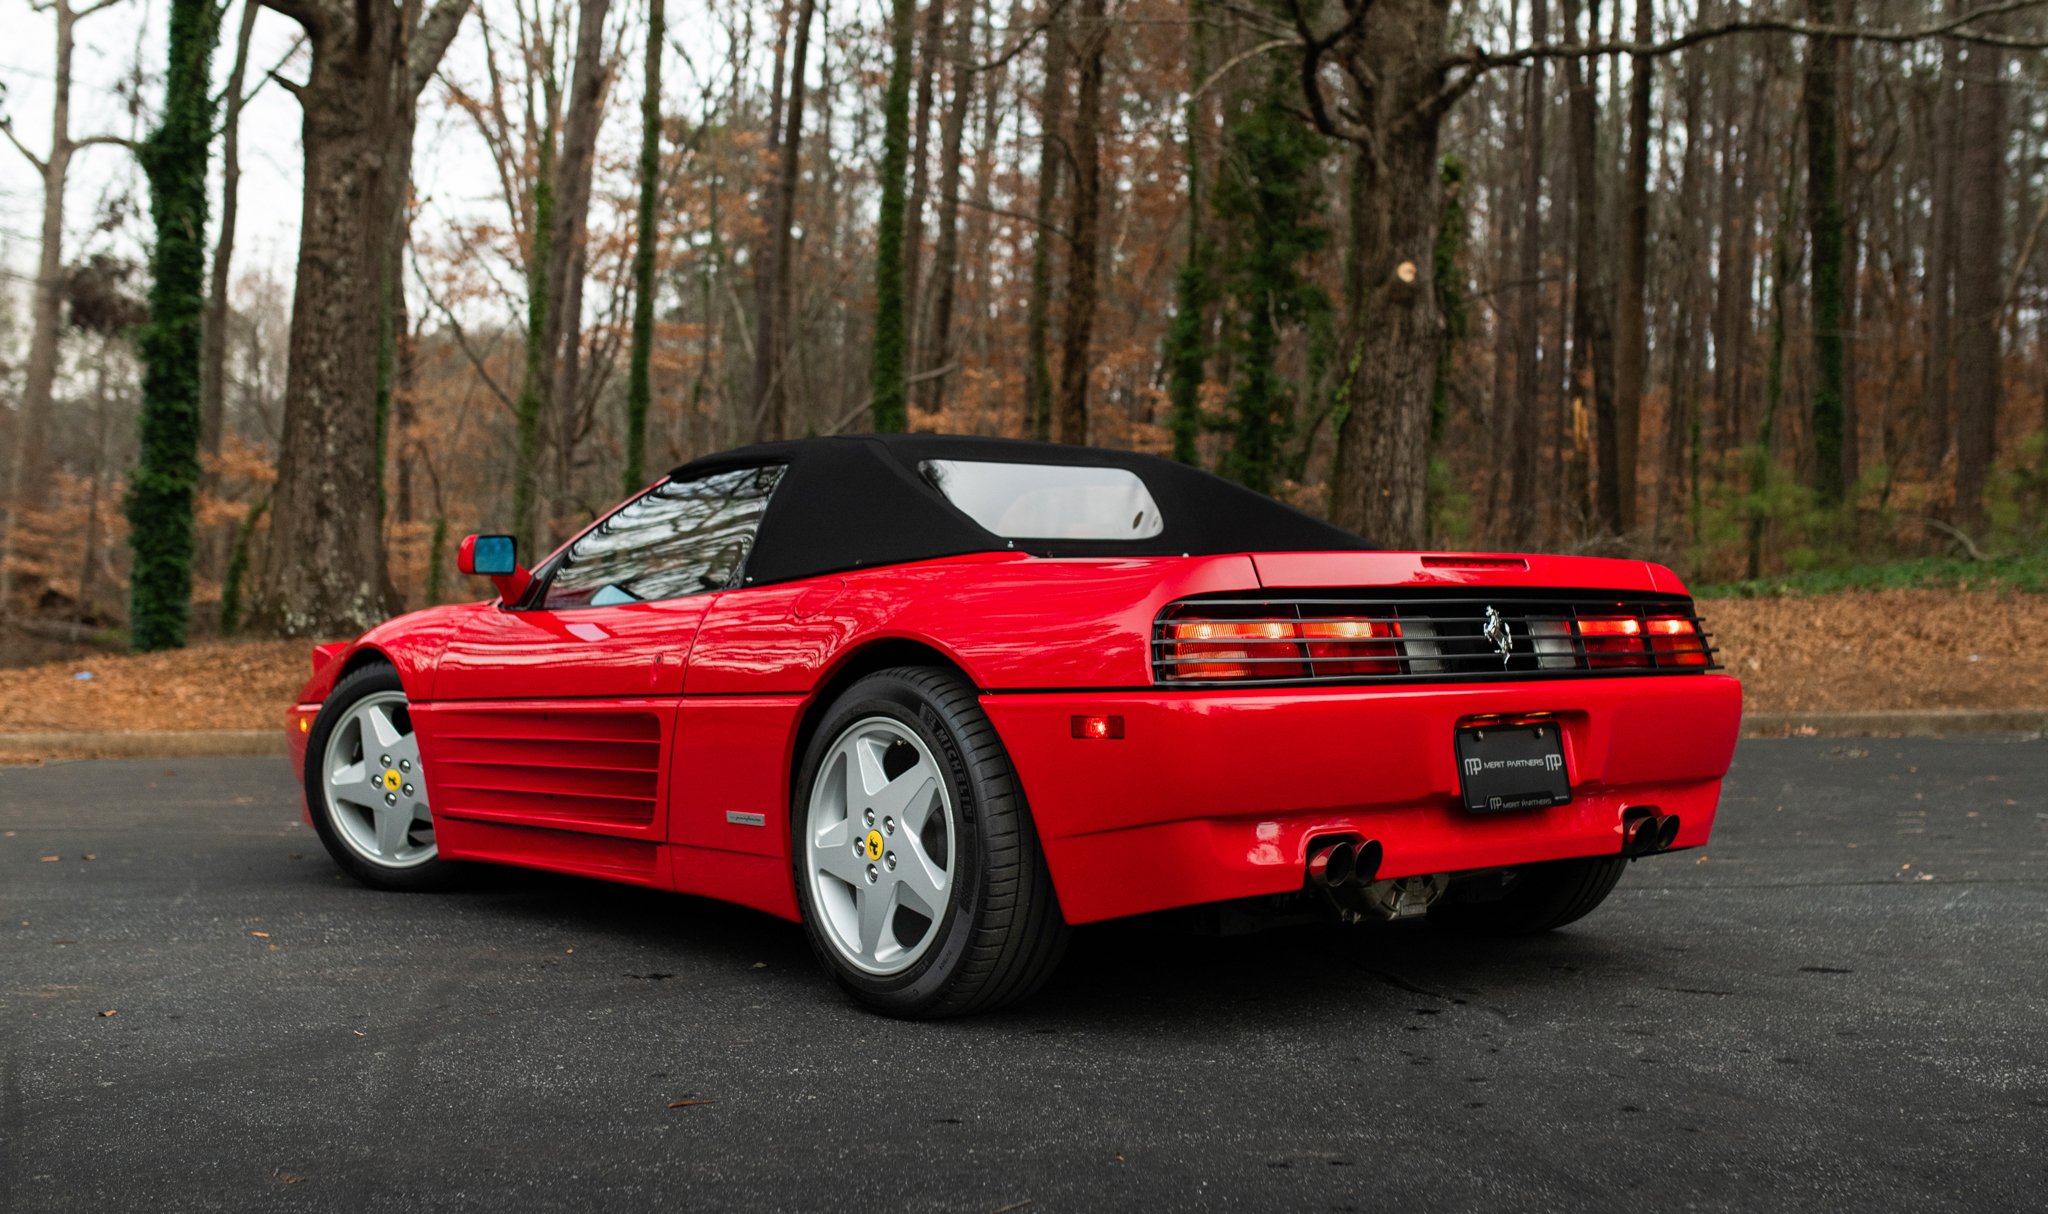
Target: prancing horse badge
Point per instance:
(1497, 631)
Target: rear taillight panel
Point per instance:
(1237, 640)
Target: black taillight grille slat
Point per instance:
(1268, 640)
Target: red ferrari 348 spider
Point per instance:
(940, 698)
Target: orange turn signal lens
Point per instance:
(1676, 641)
(1235, 649)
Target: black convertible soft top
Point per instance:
(858, 501)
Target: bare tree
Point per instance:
(1077, 333)
(771, 331)
(214, 339)
(1980, 276)
(27, 476)
(936, 349)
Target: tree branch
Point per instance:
(436, 31)
(105, 141)
(42, 166)
(290, 86)
(1003, 57)
(1958, 28)
(312, 15)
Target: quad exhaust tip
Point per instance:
(1333, 865)
(1330, 865)
(1645, 831)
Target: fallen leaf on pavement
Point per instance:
(51, 859)
(90, 856)
(110, 1012)
(261, 935)
(688, 1104)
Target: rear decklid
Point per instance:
(1360, 570)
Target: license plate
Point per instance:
(1505, 767)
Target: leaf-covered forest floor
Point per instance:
(1842, 651)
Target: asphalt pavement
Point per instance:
(1839, 1004)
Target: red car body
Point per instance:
(657, 743)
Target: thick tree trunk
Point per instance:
(888, 374)
(1632, 312)
(1038, 308)
(1939, 372)
(1827, 243)
(1593, 290)
(1379, 484)
(324, 567)
(1980, 278)
(569, 251)
(771, 339)
(937, 347)
(1077, 334)
(166, 474)
(324, 575)
(1525, 422)
(640, 359)
(920, 178)
(1681, 416)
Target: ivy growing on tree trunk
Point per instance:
(1187, 339)
(1268, 198)
(888, 378)
(639, 390)
(174, 158)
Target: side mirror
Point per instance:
(497, 558)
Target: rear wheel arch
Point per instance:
(877, 655)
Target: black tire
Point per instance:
(1001, 934)
(357, 685)
(1538, 898)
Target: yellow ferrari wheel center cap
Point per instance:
(874, 845)
(391, 780)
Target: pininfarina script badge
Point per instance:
(1497, 631)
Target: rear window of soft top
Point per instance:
(1047, 501)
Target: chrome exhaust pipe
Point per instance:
(1330, 866)
(1667, 832)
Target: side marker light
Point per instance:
(1098, 727)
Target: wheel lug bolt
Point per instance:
(890, 860)
(858, 850)
(868, 816)
(888, 826)
(384, 759)
(873, 876)
(405, 765)
(408, 790)
(390, 798)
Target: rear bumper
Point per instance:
(1210, 795)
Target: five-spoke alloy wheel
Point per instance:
(880, 846)
(366, 784)
(919, 872)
